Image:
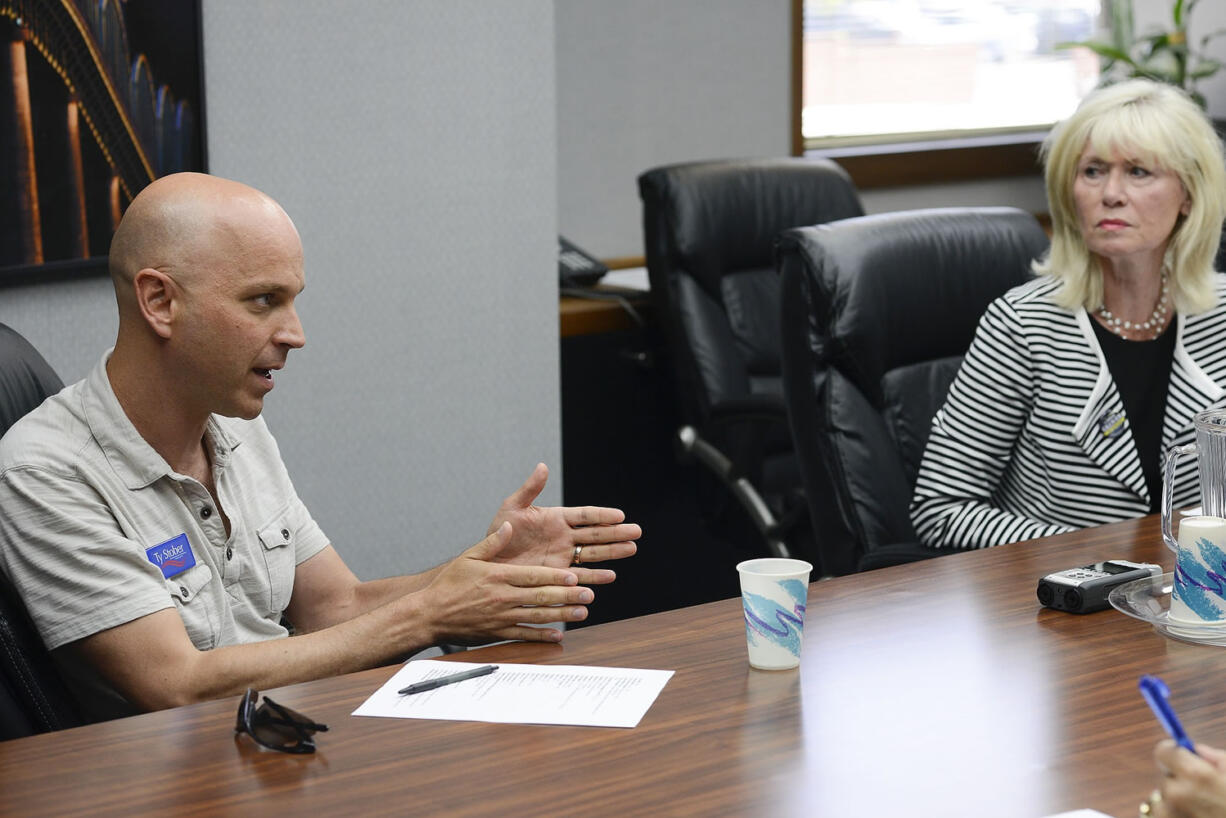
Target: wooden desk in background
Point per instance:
(592, 316)
(939, 688)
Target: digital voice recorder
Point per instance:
(1085, 589)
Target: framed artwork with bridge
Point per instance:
(97, 99)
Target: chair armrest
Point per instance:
(693, 445)
(760, 408)
(748, 430)
(901, 554)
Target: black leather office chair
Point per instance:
(709, 229)
(33, 697)
(877, 314)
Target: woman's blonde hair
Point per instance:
(1157, 125)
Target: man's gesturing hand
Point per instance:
(476, 599)
(548, 535)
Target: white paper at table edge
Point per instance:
(394, 681)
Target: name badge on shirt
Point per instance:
(173, 556)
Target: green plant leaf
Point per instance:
(1204, 68)
(1165, 40)
(1109, 51)
(1164, 56)
(1121, 24)
(1158, 75)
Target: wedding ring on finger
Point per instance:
(578, 553)
(1147, 806)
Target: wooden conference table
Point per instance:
(940, 688)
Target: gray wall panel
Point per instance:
(644, 83)
(70, 322)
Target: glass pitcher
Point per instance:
(1210, 451)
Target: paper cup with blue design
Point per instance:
(773, 594)
(1198, 592)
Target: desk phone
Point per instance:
(576, 268)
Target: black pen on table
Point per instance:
(430, 684)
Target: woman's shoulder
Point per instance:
(1219, 286)
(1216, 314)
(1040, 289)
(1219, 292)
(1035, 298)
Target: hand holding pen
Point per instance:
(1191, 785)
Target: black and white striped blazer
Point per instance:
(1030, 440)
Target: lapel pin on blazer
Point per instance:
(1111, 424)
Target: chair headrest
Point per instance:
(723, 215)
(924, 275)
(26, 379)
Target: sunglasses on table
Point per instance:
(275, 726)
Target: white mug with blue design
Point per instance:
(1198, 592)
(773, 594)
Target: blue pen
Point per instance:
(1157, 696)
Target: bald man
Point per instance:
(151, 528)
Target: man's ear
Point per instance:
(157, 299)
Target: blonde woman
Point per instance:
(1077, 382)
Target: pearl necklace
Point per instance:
(1152, 326)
